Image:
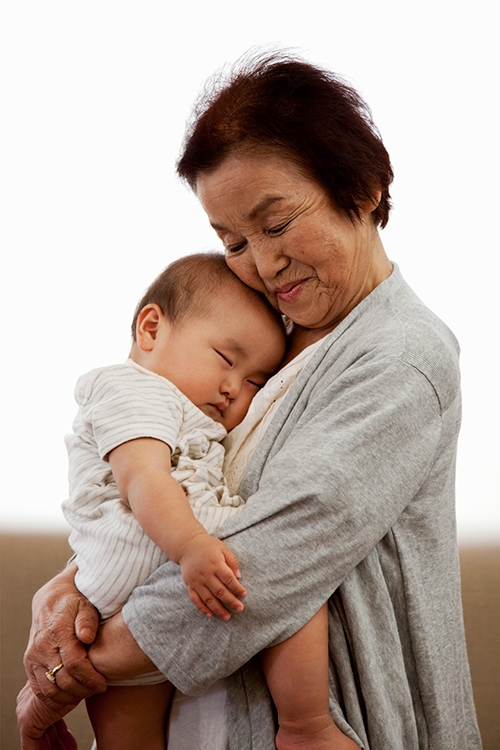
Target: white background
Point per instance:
(95, 96)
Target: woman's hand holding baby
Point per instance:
(210, 571)
(64, 624)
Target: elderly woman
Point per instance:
(350, 449)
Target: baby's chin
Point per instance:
(230, 424)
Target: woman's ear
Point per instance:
(148, 323)
(370, 205)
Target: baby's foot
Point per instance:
(317, 733)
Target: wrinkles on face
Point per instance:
(284, 237)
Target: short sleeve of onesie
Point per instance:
(123, 403)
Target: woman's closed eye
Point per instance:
(235, 248)
(281, 228)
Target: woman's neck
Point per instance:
(299, 339)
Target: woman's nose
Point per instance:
(269, 258)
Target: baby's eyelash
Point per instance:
(259, 386)
(224, 358)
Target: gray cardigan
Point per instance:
(350, 498)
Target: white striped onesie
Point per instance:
(116, 404)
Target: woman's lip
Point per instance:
(288, 292)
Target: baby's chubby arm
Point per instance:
(209, 568)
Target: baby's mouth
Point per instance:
(220, 407)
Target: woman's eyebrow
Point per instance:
(262, 206)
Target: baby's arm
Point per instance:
(210, 569)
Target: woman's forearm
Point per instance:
(307, 525)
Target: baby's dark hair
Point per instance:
(188, 287)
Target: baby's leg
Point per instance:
(297, 676)
(128, 718)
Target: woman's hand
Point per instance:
(64, 623)
(210, 571)
(40, 724)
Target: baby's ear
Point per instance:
(148, 323)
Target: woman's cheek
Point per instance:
(245, 270)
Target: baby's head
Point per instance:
(214, 338)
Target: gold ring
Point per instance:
(51, 674)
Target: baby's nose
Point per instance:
(231, 386)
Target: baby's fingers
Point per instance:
(231, 560)
(229, 580)
(208, 603)
(198, 602)
(222, 588)
(217, 599)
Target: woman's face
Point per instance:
(283, 236)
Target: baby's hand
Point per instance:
(211, 571)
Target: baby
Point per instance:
(146, 478)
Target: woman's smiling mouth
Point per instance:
(289, 292)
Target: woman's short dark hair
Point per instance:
(283, 103)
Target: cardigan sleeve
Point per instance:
(330, 489)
